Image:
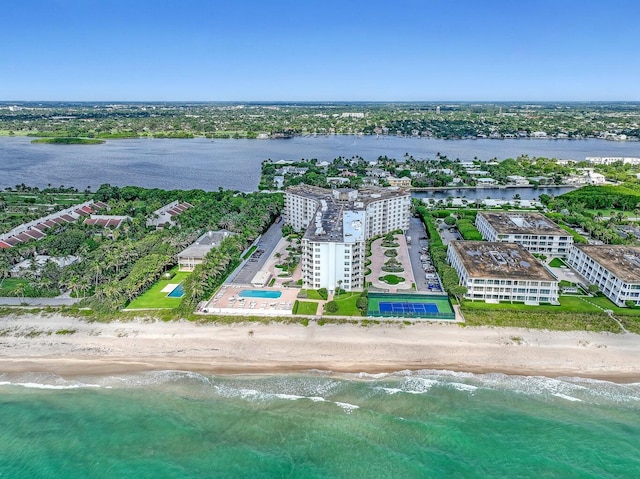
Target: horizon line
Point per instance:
(318, 101)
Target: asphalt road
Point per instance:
(267, 244)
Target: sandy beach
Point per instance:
(35, 343)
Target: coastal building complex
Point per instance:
(610, 160)
(615, 269)
(166, 216)
(38, 229)
(533, 231)
(336, 225)
(499, 271)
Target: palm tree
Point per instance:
(19, 290)
(5, 269)
(73, 284)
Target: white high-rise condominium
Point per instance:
(337, 224)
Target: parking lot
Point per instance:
(424, 273)
(447, 234)
(265, 247)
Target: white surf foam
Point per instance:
(568, 398)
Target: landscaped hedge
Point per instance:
(576, 237)
(468, 230)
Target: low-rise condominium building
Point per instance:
(498, 271)
(615, 269)
(533, 231)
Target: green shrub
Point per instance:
(391, 279)
(332, 307)
(324, 294)
(468, 231)
(362, 303)
(295, 307)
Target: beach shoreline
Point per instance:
(71, 348)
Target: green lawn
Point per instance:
(607, 213)
(307, 307)
(604, 302)
(556, 263)
(347, 304)
(567, 303)
(155, 298)
(9, 284)
(313, 294)
(572, 314)
(391, 279)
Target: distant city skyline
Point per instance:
(283, 50)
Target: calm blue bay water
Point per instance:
(428, 424)
(235, 164)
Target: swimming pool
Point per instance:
(177, 292)
(256, 293)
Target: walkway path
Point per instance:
(378, 259)
(12, 301)
(607, 311)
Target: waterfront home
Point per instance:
(483, 182)
(517, 180)
(399, 182)
(194, 255)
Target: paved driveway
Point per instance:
(417, 231)
(245, 272)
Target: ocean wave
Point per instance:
(43, 381)
(228, 391)
(49, 386)
(574, 389)
(327, 387)
(568, 398)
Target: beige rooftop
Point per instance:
(623, 261)
(482, 259)
(522, 223)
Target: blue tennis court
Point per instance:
(407, 307)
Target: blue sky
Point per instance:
(348, 50)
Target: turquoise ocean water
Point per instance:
(317, 425)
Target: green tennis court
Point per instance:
(410, 306)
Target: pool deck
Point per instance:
(226, 301)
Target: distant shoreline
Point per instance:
(5, 133)
(59, 140)
(492, 187)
